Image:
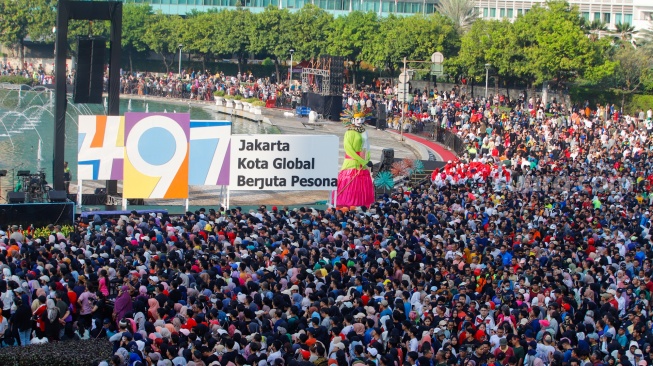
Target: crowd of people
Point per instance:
(533, 249)
(203, 86)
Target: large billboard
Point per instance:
(284, 162)
(100, 148)
(156, 155)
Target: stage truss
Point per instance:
(317, 81)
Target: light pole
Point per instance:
(180, 47)
(290, 67)
(487, 73)
(403, 105)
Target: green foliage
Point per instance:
(637, 102)
(43, 232)
(219, 93)
(69, 353)
(162, 36)
(258, 103)
(14, 21)
(350, 34)
(549, 43)
(267, 62)
(135, 21)
(238, 97)
(415, 37)
(581, 93)
(11, 79)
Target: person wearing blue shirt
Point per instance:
(506, 257)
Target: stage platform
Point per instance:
(38, 214)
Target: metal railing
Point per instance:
(443, 136)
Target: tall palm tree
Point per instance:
(461, 12)
(594, 29)
(624, 32)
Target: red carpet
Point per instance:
(440, 150)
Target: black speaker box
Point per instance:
(89, 70)
(57, 196)
(16, 197)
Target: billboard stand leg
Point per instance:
(124, 204)
(227, 204)
(187, 204)
(79, 193)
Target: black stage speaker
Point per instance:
(57, 196)
(337, 75)
(89, 71)
(16, 197)
(329, 106)
(387, 158)
(381, 116)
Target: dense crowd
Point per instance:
(204, 85)
(533, 249)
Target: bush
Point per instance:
(238, 97)
(44, 232)
(229, 96)
(267, 62)
(258, 103)
(14, 79)
(69, 353)
(219, 93)
(250, 100)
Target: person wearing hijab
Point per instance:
(153, 306)
(52, 321)
(123, 303)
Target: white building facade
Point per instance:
(638, 13)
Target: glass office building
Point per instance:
(382, 7)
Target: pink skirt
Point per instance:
(355, 188)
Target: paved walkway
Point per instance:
(442, 152)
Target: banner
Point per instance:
(284, 162)
(209, 153)
(156, 155)
(100, 148)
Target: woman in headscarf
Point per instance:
(52, 324)
(153, 307)
(123, 303)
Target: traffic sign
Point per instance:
(404, 77)
(437, 58)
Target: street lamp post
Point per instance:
(290, 67)
(180, 47)
(487, 73)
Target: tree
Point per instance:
(486, 42)
(555, 46)
(233, 34)
(415, 37)
(309, 30)
(624, 32)
(135, 22)
(349, 34)
(594, 29)
(200, 34)
(270, 34)
(461, 12)
(633, 68)
(14, 22)
(162, 36)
